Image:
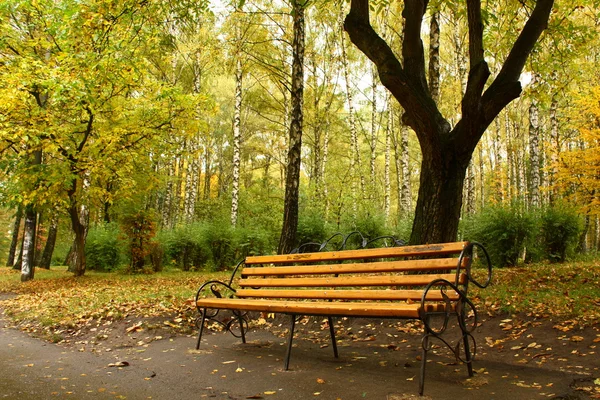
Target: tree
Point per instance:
(287, 240)
(446, 150)
(74, 88)
(15, 238)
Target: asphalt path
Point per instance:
(169, 368)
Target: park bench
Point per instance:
(425, 282)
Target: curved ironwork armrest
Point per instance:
(213, 288)
(235, 270)
(468, 252)
(363, 241)
(397, 242)
(458, 309)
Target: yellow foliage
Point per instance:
(578, 174)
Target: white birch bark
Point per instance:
(534, 154)
(28, 247)
(373, 143)
(355, 160)
(481, 175)
(406, 187)
(237, 139)
(388, 150)
(554, 147)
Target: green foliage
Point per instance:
(404, 227)
(183, 248)
(370, 225)
(213, 245)
(253, 241)
(103, 249)
(505, 231)
(560, 230)
(511, 233)
(311, 226)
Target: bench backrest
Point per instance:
(366, 274)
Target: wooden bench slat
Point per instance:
(386, 252)
(349, 294)
(318, 308)
(367, 267)
(347, 281)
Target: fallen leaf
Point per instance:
(119, 364)
(270, 392)
(319, 380)
(577, 338)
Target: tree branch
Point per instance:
(88, 130)
(478, 68)
(506, 87)
(412, 45)
(421, 112)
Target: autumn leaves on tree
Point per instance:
(258, 115)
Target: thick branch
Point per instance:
(506, 86)
(421, 112)
(88, 130)
(412, 45)
(475, 32)
(478, 68)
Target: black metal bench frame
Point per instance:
(459, 308)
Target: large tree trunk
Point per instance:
(29, 230)
(287, 240)
(12, 251)
(446, 151)
(77, 260)
(440, 199)
(79, 215)
(50, 242)
(29, 234)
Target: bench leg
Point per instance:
(332, 334)
(425, 345)
(201, 328)
(242, 332)
(289, 345)
(468, 356)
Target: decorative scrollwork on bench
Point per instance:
(229, 323)
(460, 307)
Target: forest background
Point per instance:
(157, 131)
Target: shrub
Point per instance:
(219, 238)
(505, 231)
(560, 230)
(370, 226)
(103, 249)
(311, 227)
(253, 241)
(183, 246)
(139, 229)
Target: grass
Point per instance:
(569, 291)
(55, 300)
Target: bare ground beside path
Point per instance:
(517, 359)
